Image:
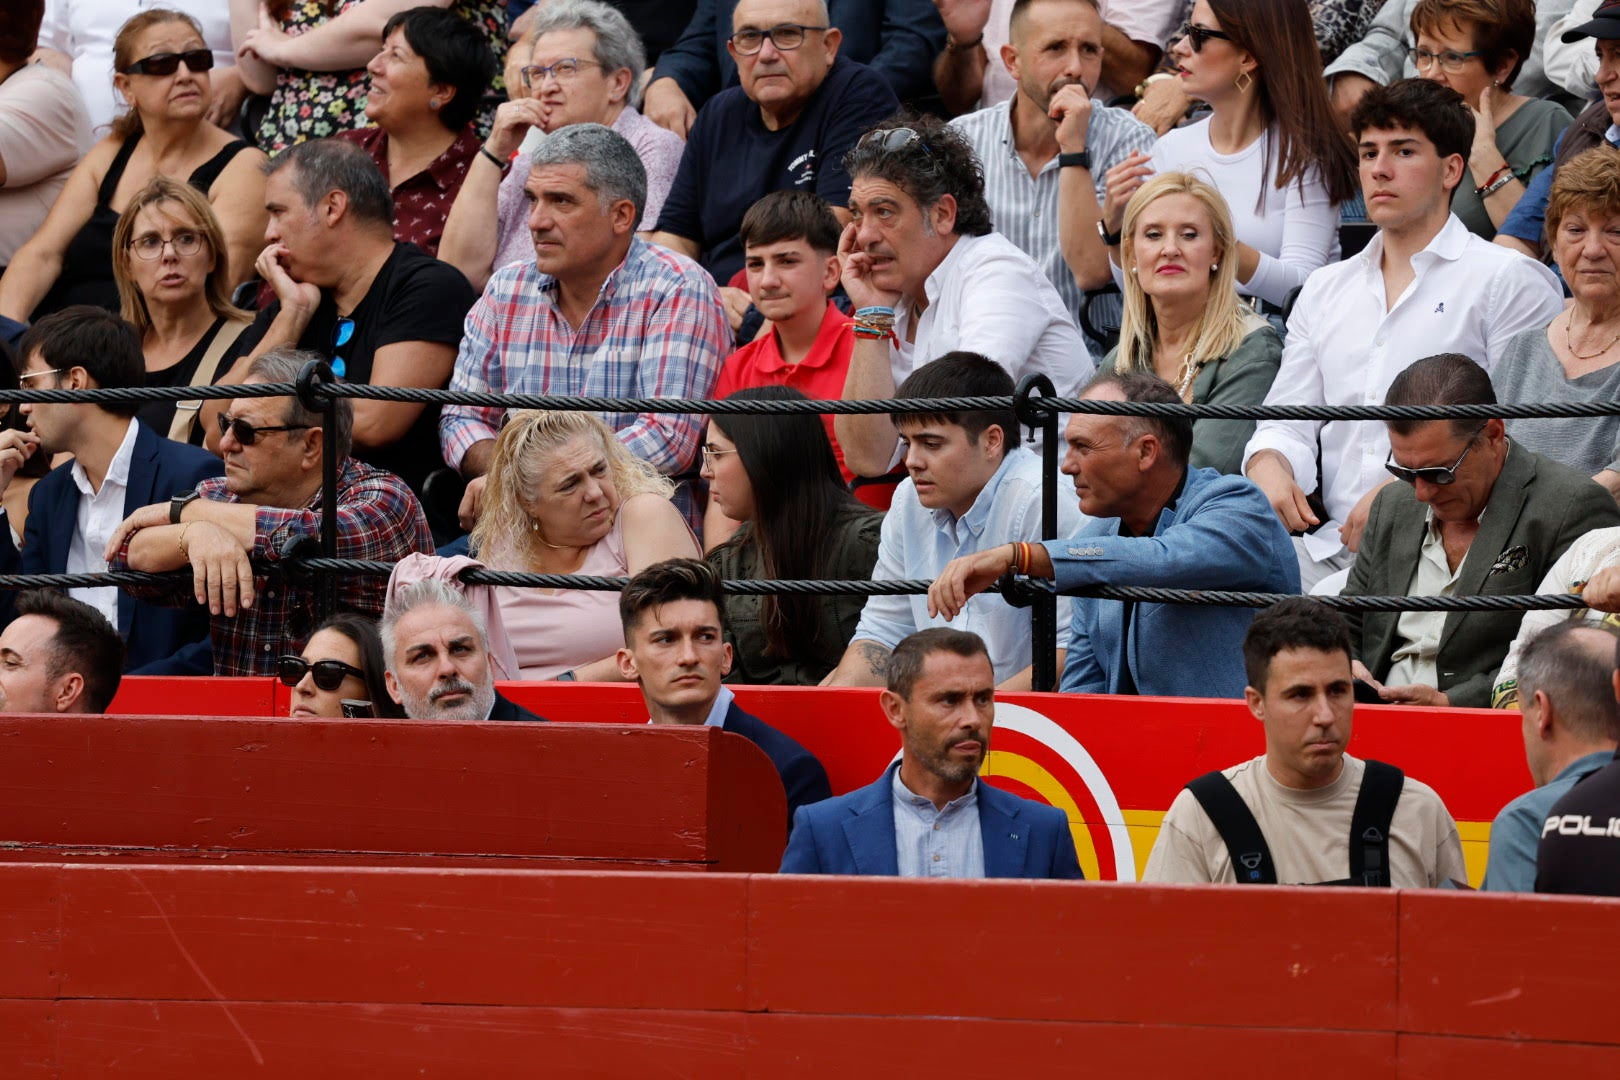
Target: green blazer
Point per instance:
(1537, 509)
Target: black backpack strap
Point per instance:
(1369, 826)
(1245, 843)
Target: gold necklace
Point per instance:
(1569, 340)
(1189, 371)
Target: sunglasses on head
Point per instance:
(342, 334)
(167, 63)
(1199, 36)
(893, 140)
(1439, 475)
(247, 434)
(329, 674)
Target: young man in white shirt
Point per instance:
(928, 276)
(1424, 285)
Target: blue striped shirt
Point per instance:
(929, 842)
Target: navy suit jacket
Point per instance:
(854, 834)
(159, 469)
(507, 709)
(803, 778)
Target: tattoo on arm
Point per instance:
(876, 657)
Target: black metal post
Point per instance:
(315, 373)
(1043, 613)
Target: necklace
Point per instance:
(1569, 340)
(1189, 371)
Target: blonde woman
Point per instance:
(174, 287)
(564, 496)
(1183, 319)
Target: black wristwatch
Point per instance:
(1109, 239)
(1078, 160)
(177, 504)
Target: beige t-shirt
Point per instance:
(1308, 833)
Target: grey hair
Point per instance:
(327, 165)
(618, 46)
(613, 169)
(1573, 664)
(426, 593)
(283, 364)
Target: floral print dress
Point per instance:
(315, 104)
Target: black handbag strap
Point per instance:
(1245, 843)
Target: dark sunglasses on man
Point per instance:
(247, 434)
(1439, 475)
(329, 674)
(167, 63)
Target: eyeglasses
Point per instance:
(329, 674)
(1439, 475)
(712, 452)
(25, 376)
(1450, 62)
(151, 245)
(167, 63)
(893, 140)
(342, 334)
(1199, 36)
(785, 36)
(564, 70)
(247, 434)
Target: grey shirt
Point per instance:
(929, 842)
(1529, 371)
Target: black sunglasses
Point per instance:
(1200, 35)
(329, 674)
(167, 63)
(247, 434)
(1439, 475)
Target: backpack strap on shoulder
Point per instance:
(1245, 843)
(1369, 825)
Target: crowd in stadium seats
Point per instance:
(1226, 202)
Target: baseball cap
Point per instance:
(1605, 24)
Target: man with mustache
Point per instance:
(437, 651)
(1305, 812)
(928, 815)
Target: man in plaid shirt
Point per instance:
(270, 497)
(599, 312)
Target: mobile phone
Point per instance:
(355, 707)
(1365, 694)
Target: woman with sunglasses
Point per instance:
(343, 661)
(1478, 48)
(162, 71)
(174, 289)
(1270, 143)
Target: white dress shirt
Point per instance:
(1346, 344)
(100, 512)
(1416, 659)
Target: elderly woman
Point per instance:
(584, 64)
(1577, 357)
(343, 662)
(173, 288)
(564, 496)
(1478, 48)
(426, 83)
(162, 71)
(1183, 319)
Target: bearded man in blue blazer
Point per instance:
(928, 815)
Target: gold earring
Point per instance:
(1243, 82)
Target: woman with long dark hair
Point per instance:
(1270, 145)
(777, 475)
(343, 661)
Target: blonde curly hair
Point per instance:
(505, 528)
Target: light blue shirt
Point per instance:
(917, 543)
(721, 706)
(930, 842)
(1511, 863)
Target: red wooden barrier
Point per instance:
(387, 792)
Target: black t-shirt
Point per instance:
(414, 298)
(159, 415)
(732, 160)
(1580, 841)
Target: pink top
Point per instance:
(554, 632)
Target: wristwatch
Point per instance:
(1109, 239)
(1079, 159)
(177, 504)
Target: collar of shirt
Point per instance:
(1448, 245)
(443, 172)
(979, 513)
(610, 284)
(834, 324)
(1612, 136)
(117, 468)
(1167, 513)
(1583, 765)
(1009, 136)
(936, 281)
(912, 803)
(717, 711)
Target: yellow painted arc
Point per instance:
(1037, 779)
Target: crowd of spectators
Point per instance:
(1288, 202)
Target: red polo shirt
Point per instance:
(421, 202)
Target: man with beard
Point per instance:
(437, 651)
(928, 815)
(1046, 150)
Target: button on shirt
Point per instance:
(100, 512)
(1346, 344)
(1415, 661)
(929, 842)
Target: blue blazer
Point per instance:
(159, 468)
(803, 778)
(854, 834)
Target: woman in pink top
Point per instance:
(565, 497)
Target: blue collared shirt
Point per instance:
(1511, 864)
(930, 842)
(1528, 218)
(718, 711)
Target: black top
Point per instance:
(415, 297)
(158, 415)
(1580, 841)
(87, 269)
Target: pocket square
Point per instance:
(1514, 558)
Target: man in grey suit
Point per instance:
(1477, 515)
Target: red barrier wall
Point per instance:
(221, 971)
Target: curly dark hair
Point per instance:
(938, 162)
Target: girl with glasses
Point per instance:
(343, 661)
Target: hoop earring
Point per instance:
(1243, 82)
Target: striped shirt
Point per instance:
(929, 842)
(1025, 207)
(657, 330)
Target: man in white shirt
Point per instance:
(1424, 285)
(928, 276)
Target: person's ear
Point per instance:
(725, 665)
(627, 665)
(993, 441)
(1495, 430)
(1148, 452)
(1452, 170)
(334, 207)
(310, 457)
(942, 215)
(1544, 715)
(619, 86)
(1009, 60)
(391, 684)
(69, 689)
(1256, 702)
(832, 37)
(893, 706)
(622, 214)
(831, 274)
